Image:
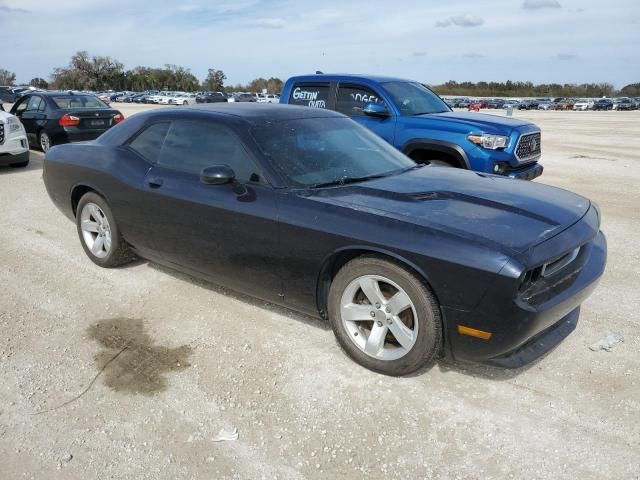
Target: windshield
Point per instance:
(315, 152)
(79, 101)
(413, 98)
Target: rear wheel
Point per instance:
(44, 141)
(99, 233)
(384, 317)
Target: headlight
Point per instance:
(14, 124)
(492, 142)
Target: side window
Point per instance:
(351, 99)
(191, 146)
(310, 95)
(149, 142)
(34, 104)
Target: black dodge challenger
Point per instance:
(305, 208)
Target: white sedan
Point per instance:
(583, 105)
(182, 99)
(14, 148)
(269, 98)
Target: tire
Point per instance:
(354, 317)
(44, 141)
(90, 223)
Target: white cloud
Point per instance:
(567, 56)
(461, 21)
(270, 23)
(540, 4)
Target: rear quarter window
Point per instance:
(307, 95)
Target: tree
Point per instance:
(631, 90)
(214, 81)
(272, 85)
(39, 83)
(7, 77)
(88, 73)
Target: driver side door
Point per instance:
(212, 230)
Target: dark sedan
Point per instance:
(603, 104)
(211, 97)
(306, 208)
(52, 118)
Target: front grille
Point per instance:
(529, 147)
(1, 133)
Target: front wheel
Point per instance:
(99, 233)
(384, 317)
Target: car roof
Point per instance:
(342, 77)
(59, 93)
(260, 112)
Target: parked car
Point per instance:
(495, 103)
(155, 98)
(211, 97)
(269, 98)
(462, 103)
(14, 147)
(52, 118)
(562, 103)
(528, 105)
(315, 212)
(546, 105)
(182, 99)
(511, 103)
(603, 104)
(624, 104)
(164, 98)
(243, 97)
(450, 101)
(417, 122)
(583, 105)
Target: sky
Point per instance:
(432, 41)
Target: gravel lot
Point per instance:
(201, 358)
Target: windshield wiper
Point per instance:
(346, 180)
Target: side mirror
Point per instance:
(217, 175)
(375, 110)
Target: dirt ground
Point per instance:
(199, 358)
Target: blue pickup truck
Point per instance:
(419, 123)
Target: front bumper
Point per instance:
(14, 149)
(528, 172)
(523, 331)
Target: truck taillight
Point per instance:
(69, 121)
(117, 118)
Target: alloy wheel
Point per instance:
(45, 142)
(96, 231)
(379, 317)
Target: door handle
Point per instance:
(156, 182)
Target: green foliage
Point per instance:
(104, 73)
(7, 77)
(214, 81)
(524, 89)
(631, 90)
(273, 85)
(39, 83)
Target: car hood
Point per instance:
(513, 215)
(478, 121)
